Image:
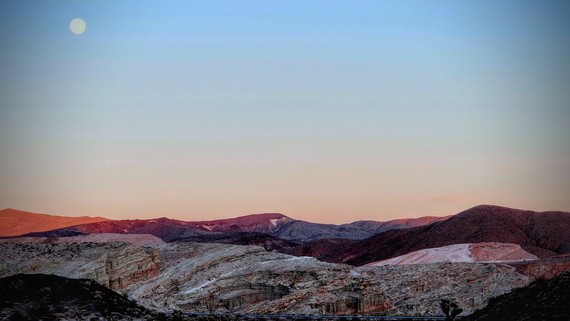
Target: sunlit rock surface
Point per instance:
(115, 265)
(474, 252)
(231, 278)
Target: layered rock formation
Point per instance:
(544, 269)
(230, 278)
(135, 239)
(115, 265)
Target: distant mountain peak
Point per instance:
(15, 222)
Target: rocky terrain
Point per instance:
(243, 265)
(474, 252)
(545, 268)
(135, 239)
(114, 265)
(543, 234)
(229, 278)
(50, 297)
(541, 300)
(266, 241)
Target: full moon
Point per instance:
(77, 26)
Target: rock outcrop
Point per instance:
(229, 278)
(115, 265)
(475, 252)
(50, 297)
(135, 239)
(541, 300)
(544, 269)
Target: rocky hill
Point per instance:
(114, 265)
(230, 278)
(50, 297)
(545, 268)
(543, 234)
(268, 242)
(136, 239)
(541, 300)
(14, 222)
(273, 224)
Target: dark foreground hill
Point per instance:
(541, 300)
(50, 297)
(544, 234)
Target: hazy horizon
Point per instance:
(325, 111)
(237, 215)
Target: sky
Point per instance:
(326, 111)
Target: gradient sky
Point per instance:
(328, 111)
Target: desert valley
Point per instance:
(271, 265)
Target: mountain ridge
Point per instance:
(15, 222)
(275, 224)
(543, 234)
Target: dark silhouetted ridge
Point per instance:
(541, 300)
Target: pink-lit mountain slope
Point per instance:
(543, 234)
(278, 226)
(14, 222)
(170, 229)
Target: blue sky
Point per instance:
(323, 110)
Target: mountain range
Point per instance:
(541, 234)
(274, 224)
(271, 263)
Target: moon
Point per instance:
(77, 26)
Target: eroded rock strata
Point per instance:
(115, 265)
(230, 278)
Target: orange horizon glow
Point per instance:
(197, 110)
(335, 218)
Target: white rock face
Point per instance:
(114, 265)
(474, 252)
(232, 278)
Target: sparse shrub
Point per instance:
(19, 315)
(450, 309)
(177, 316)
